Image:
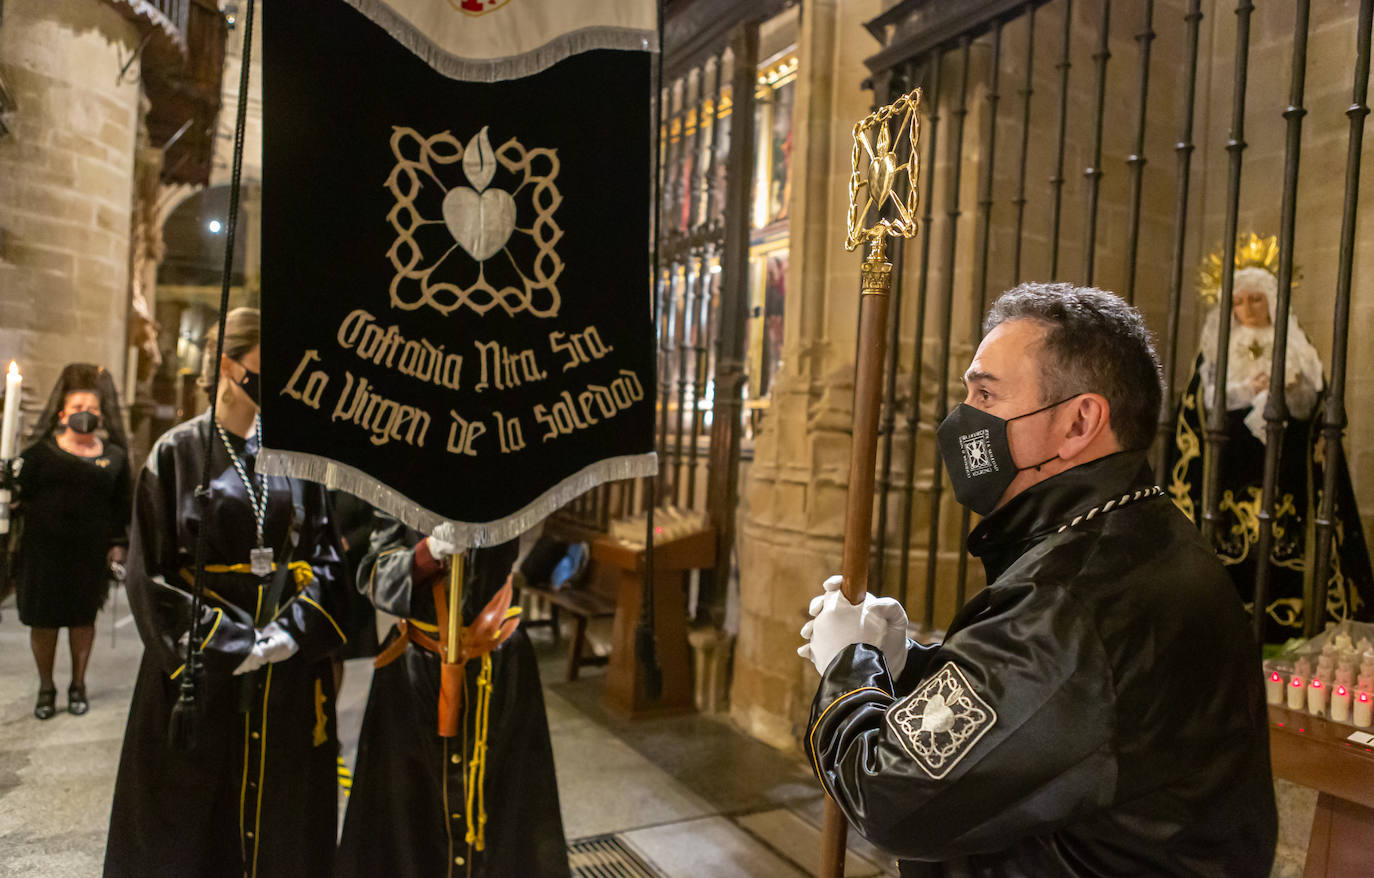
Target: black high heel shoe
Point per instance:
(47, 703)
(76, 700)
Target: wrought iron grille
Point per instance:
(1067, 184)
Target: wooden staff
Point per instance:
(871, 187)
(451, 669)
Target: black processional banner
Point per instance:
(456, 313)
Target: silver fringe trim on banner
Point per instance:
(341, 476)
(513, 67)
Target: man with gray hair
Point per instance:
(1098, 708)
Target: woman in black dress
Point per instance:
(256, 794)
(74, 491)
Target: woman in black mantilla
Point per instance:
(256, 795)
(1300, 473)
(424, 806)
(74, 491)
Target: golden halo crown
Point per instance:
(1252, 251)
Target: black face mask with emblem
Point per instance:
(977, 454)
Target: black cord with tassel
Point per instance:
(646, 647)
(189, 707)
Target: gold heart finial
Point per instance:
(876, 207)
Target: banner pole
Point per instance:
(451, 670)
(872, 187)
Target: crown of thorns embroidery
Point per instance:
(476, 246)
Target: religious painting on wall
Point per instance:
(780, 152)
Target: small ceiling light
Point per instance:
(214, 227)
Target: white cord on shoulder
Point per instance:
(1114, 503)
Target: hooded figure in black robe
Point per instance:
(422, 805)
(257, 796)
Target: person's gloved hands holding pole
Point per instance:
(836, 623)
(443, 542)
(273, 645)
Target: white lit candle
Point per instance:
(1364, 710)
(1273, 688)
(1340, 704)
(1316, 697)
(1295, 693)
(9, 427)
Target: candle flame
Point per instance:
(14, 368)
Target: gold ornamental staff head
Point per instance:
(876, 209)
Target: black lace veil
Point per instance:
(88, 377)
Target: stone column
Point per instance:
(66, 187)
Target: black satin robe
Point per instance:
(407, 815)
(257, 796)
(1101, 710)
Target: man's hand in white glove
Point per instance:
(443, 541)
(273, 645)
(837, 623)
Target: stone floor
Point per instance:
(689, 796)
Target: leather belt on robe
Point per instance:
(475, 644)
(497, 621)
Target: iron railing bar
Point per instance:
(979, 304)
(1216, 437)
(1026, 91)
(668, 97)
(665, 350)
(980, 301)
(1057, 181)
(702, 321)
(1136, 161)
(1276, 409)
(1334, 420)
(729, 371)
(691, 289)
(913, 421)
(952, 212)
(1183, 152)
(1093, 173)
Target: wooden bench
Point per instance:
(593, 600)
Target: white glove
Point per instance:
(273, 645)
(837, 623)
(443, 541)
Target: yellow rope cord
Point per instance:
(301, 571)
(477, 768)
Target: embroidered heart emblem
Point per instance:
(937, 716)
(882, 171)
(480, 223)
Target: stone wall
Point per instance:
(66, 188)
(792, 501)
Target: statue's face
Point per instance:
(1251, 308)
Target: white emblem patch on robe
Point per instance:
(938, 724)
